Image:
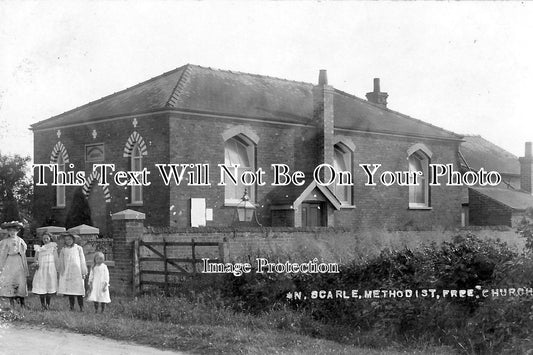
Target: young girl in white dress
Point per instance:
(72, 271)
(99, 283)
(45, 278)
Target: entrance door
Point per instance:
(313, 214)
(98, 208)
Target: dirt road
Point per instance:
(15, 340)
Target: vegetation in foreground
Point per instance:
(199, 326)
(251, 314)
(480, 324)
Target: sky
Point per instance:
(462, 66)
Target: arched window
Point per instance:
(135, 149)
(342, 162)
(419, 194)
(60, 189)
(136, 165)
(238, 150)
(60, 157)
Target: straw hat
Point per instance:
(12, 224)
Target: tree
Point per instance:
(79, 212)
(16, 187)
(10, 210)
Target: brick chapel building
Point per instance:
(201, 115)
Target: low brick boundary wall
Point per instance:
(276, 244)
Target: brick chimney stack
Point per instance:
(376, 96)
(322, 77)
(526, 169)
(323, 115)
(324, 118)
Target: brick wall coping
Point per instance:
(226, 230)
(51, 229)
(317, 230)
(84, 229)
(128, 214)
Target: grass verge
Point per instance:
(199, 328)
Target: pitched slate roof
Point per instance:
(352, 112)
(514, 199)
(147, 96)
(248, 95)
(480, 153)
(207, 90)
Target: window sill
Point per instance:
(59, 207)
(422, 208)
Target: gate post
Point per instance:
(223, 250)
(136, 269)
(128, 226)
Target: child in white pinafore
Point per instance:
(99, 283)
(45, 278)
(72, 271)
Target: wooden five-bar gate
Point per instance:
(166, 263)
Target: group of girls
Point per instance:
(69, 265)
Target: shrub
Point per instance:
(525, 229)
(256, 293)
(471, 325)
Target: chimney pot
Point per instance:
(376, 96)
(528, 152)
(376, 85)
(323, 77)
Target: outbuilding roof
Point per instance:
(514, 199)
